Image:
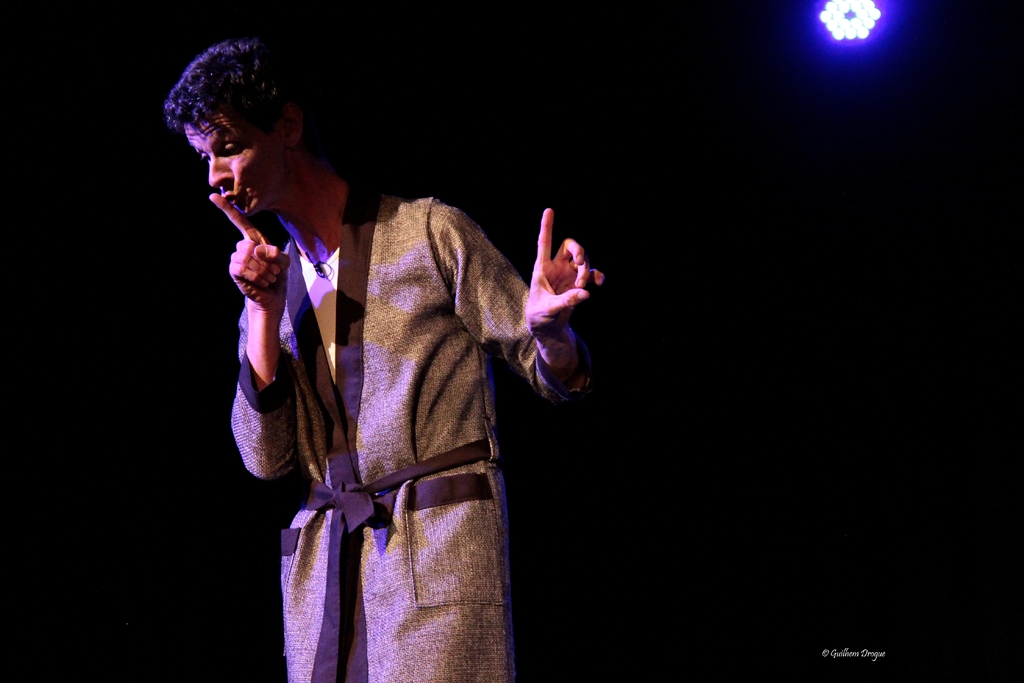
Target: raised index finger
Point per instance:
(547, 222)
(248, 230)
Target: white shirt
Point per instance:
(323, 293)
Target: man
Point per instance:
(365, 347)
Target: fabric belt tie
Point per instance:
(353, 506)
(373, 505)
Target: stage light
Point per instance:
(850, 19)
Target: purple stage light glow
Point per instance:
(850, 19)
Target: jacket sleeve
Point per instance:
(263, 422)
(490, 299)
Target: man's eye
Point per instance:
(231, 149)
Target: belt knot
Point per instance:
(353, 506)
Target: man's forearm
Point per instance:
(263, 346)
(560, 353)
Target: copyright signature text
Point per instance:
(847, 652)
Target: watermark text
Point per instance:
(847, 652)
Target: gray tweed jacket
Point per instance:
(438, 300)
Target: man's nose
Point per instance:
(220, 176)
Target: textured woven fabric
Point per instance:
(440, 300)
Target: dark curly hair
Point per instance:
(242, 74)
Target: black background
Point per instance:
(803, 434)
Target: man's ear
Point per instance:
(291, 124)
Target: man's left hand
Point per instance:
(556, 288)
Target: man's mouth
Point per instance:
(234, 200)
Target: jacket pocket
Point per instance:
(457, 554)
(289, 544)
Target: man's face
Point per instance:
(247, 166)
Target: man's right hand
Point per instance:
(257, 267)
(261, 272)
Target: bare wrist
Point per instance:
(559, 352)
